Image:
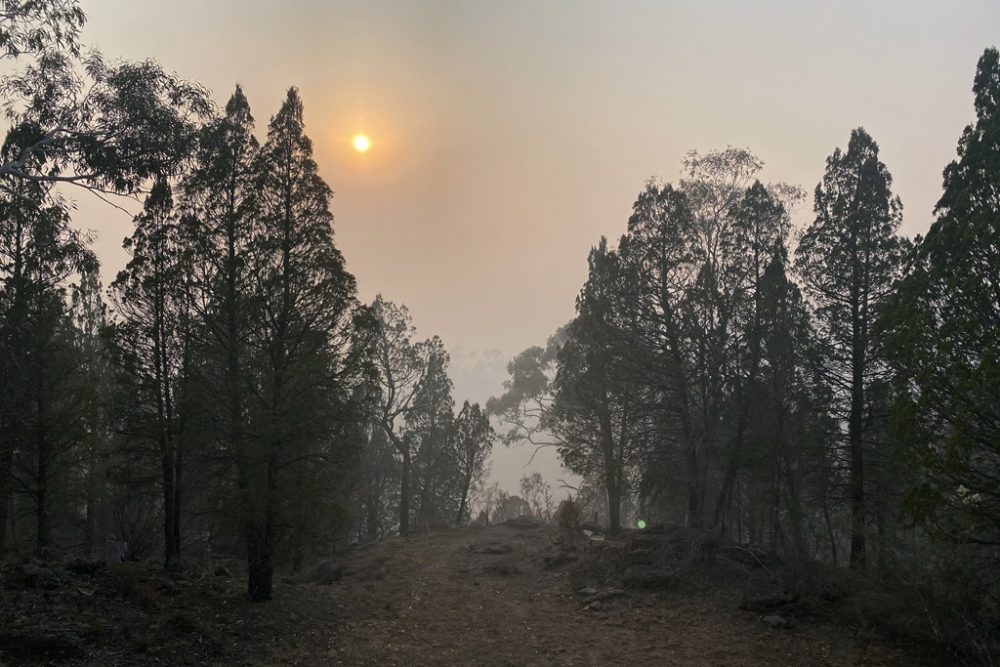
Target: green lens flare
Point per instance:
(641, 523)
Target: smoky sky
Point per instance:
(507, 137)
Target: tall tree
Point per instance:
(220, 224)
(39, 250)
(943, 329)
(400, 375)
(848, 260)
(597, 411)
(429, 427)
(658, 251)
(153, 343)
(759, 223)
(304, 345)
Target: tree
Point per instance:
(429, 429)
(400, 375)
(658, 252)
(306, 355)
(104, 127)
(153, 343)
(473, 441)
(220, 225)
(90, 319)
(39, 250)
(597, 413)
(849, 259)
(538, 494)
(30, 28)
(760, 227)
(942, 330)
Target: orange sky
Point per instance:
(507, 137)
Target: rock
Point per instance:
(776, 621)
(37, 575)
(491, 548)
(223, 571)
(588, 591)
(324, 573)
(641, 576)
(595, 605)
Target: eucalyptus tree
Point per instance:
(400, 373)
(105, 127)
(848, 260)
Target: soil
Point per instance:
(500, 595)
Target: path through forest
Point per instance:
(433, 600)
(496, 596)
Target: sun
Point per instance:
(361, 143)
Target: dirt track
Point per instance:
(430, 600)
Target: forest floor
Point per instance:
(502, 595)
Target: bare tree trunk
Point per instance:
(404, 492)
(858, 556)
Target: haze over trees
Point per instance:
(820, 394)
(825, 394)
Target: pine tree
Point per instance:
(305, 357)
(473, 440)
(152, 342)
(429, 427)
(849, 259)
(943, 329)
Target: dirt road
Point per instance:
(433, 600)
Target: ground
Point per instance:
(501, 595)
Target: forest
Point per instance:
(824, 393)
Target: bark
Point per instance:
(404, 492)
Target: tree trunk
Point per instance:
(404, 492)
(371, 519)
(614, 508)
(43, 532)
(858, 557)
(465, 498)
(260, 568)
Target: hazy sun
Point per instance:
(361, 143)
